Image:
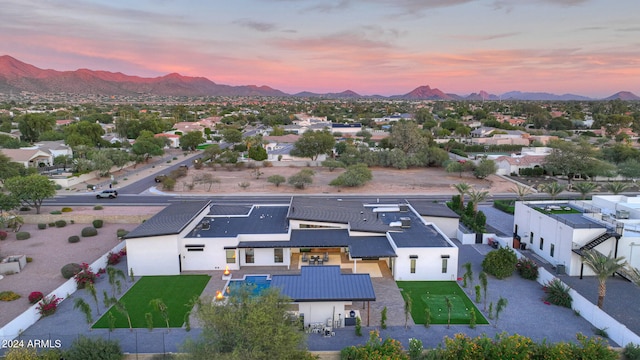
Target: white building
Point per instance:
(558, 232)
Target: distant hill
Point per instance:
(517, 95)
(623, 95)
(17, 76)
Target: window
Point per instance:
(531, 238)
(552, 249)
(248, 256)
(231, 256)
(444, 265)
(278, 255)
(413, 266)
(541, 243)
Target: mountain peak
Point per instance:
(623, 95)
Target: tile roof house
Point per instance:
(29, 157)
(513, 164)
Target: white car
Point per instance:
(111, 194)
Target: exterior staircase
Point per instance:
(599, 240)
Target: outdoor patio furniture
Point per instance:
(304, 257)
(320, 261)
(326, 256)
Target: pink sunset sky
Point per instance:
(386, 47)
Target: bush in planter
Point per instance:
(61, 223)
(500, 263)
(69, 270)
(42, 226)
(3, 235)
(527, 268)
(23, 235)
(48, 305)
(35, 296)
(89, 231)
(73, 239)
(97, 223)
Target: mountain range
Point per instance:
(17, 76)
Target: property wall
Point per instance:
(449, 226)
(153, 255)
(428, 264)
(320, 312)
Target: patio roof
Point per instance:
(324, 283)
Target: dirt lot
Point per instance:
(50, 251)
(385, 181)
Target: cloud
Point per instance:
(484, 37)
(256, 25)
(509, 5)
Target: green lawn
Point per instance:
(432, 294)
(175, 292)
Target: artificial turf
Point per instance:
(175, 291)
(433, 294)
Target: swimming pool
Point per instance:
(254, 283)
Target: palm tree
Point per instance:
(463, 189)
(407, 309)
(521, 191)
(502, 303)
(603, 267)
(553, 189)
(449, 307)
(616, 187)
(485, 284)
(477, 196)
(585, 188)
(468, 273)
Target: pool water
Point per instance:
(255, 283)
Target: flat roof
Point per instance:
(429, 208)
(324, 283)
(417, 234)
(260, 220)
(171, 220)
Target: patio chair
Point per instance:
(326, 256)
(320, 261)
(304, 257)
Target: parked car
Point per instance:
(111, 194)
(160, 178)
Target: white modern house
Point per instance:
(559, 231)
(199, 236)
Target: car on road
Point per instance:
(111, 194)
(160, 178)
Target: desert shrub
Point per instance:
(84, 348)
(25, 208)
(29, 259)
(527, 268)
(121, 233)
(67, 209)
(97, 223)
(35, 296)
(98, 207)
(375, 348)
(23, 235)
(73, 239)
(3, 235)
(557, 293)
(61, 223)
(500, 263)
(55, 212)
(52, 224)
(8, 296)
(69, 270)
(42, 226)
(631, 351)
(89, 231)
